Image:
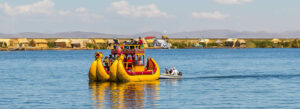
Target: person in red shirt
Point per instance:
(129, 61)
(141, 42)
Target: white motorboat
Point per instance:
(169, 76)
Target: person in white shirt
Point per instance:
(174, 72)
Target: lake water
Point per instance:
(213, 78)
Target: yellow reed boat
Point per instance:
(126, 64)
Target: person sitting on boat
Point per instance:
(167, 71)
(140, 61)
(174, 72)
(106, 62)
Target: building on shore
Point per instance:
(230, 42)
(204, 42)
(219, 42)
(23, 42)
(100, 43)
(165, 37)
(110, 43)
(276, 41)
(160, 43)
(149, 39)
(40, 43)
(79, 43)
(4, 43)
(13, 43)
(240, 43)
(63, 43)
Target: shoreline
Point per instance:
(69, 49)
(31, 44)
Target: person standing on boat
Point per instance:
(141, 42)
(139, 60)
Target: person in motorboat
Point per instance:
(168, 71)
(174, 72)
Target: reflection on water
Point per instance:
(120, 95)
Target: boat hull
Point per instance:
(113, 71)
(102, 74)
(123, 75)
(167, 76)
(97, 71)
(92, 72)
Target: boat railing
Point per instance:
(127, 51)
(127, 64)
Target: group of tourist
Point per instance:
(129, 60)
(108, 61)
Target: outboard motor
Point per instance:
(180, 73)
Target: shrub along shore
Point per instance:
(149, 43)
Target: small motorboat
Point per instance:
(172, 74)
(169, 76)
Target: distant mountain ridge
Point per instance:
(191, 34)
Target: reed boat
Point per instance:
(126, 63)
(97, 70)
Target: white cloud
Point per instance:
(41, 7)
(125, 9)
(208, 15)
(46, 7)
(232, 2)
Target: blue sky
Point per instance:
(135, 16)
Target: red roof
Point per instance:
(149, 37)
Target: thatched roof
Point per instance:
(276, 40)
(149, 41)
(164, 37)
(23, 40)
(63, 40)
(101, 41)
(149, 37)
(40, 41)
(242, 41)
(204, 40)
(219, 42)
(5, 40)
(231, 40)
(110, 41)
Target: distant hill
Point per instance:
(191, 34)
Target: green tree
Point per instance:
(51, 44)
